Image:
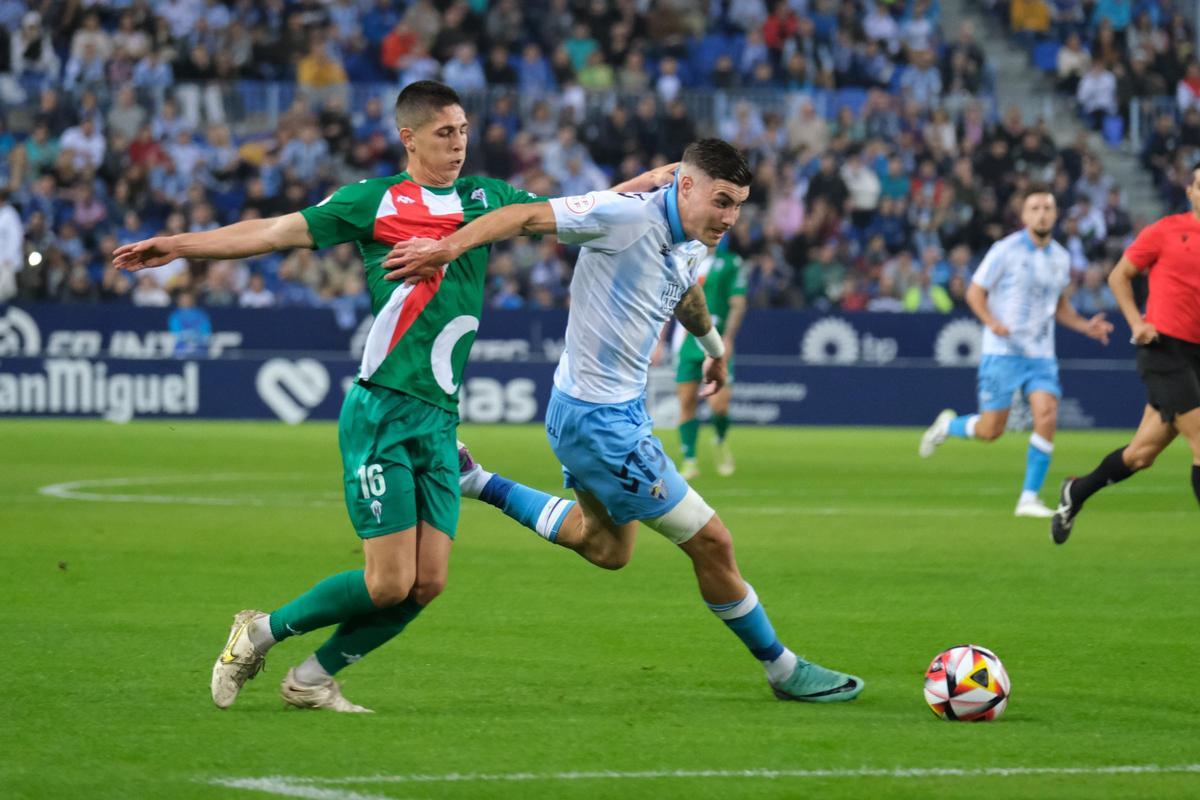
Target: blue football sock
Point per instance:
(748, 620)
(963, 427)
(1037, 462)
(540, 512)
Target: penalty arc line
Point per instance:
(73, 490)
(311, 787)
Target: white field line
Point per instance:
(76, 490)
(290, 786)
(888, 491)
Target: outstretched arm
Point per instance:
(409, 258)
(241, 240)
(1097, 327)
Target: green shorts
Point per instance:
(689, 367)
(399, 461)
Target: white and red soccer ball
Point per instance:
(967, 683)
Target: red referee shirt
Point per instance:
(1170, 250)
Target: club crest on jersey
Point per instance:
(658, 490)
(481, 196)
(665, 249)
(580, 204)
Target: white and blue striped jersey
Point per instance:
(1024, 283)
(634, 267)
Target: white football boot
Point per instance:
(936, 433)
(321, 695)
(725, 465)
(689, 470)
(238, 662)
(1033, 508)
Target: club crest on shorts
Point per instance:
(658, 490)
(377, 510)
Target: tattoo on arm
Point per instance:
(692, 311)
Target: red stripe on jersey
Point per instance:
(413, 219)
(414, 304)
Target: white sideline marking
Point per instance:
(73, 490)
(289, 786)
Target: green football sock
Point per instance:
(721, 423)
(356, 637)
(688, 432)
(336, 599)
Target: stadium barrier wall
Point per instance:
(293, 365)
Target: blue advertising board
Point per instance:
(294, 365)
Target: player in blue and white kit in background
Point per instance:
(638, 266)
(1017, 293)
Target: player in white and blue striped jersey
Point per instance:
(1018, 294)
(638, 266)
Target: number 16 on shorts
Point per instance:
(370, 477)
(373, 485)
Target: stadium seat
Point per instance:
(1045, 56)
(852, 98)
(1113, 130)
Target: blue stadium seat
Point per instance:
(1045, 56)
(853, 97)
(1113, 130)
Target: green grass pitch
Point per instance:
(535, 671)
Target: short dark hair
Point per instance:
(1036, 188)
(1195, 167)
(420, 100)
(718, 159)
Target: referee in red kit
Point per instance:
(1168, 354)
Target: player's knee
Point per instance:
(611, 556)
(1139, 458)
(712, 544)
(988, 431)
(388, 588)
(427, 589)
(610, 560)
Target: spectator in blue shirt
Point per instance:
(191, 327)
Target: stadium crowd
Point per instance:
(882, 173)
(1108, 54)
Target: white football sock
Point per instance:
(259, 631)
(1028, 496)
(311, 673)
(781, 668)
(471, 484)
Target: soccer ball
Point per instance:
(967, 683)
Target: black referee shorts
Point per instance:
(1170, 368)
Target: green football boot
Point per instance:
(812, 683)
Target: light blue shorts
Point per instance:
(611, 451)
(1001, 376)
